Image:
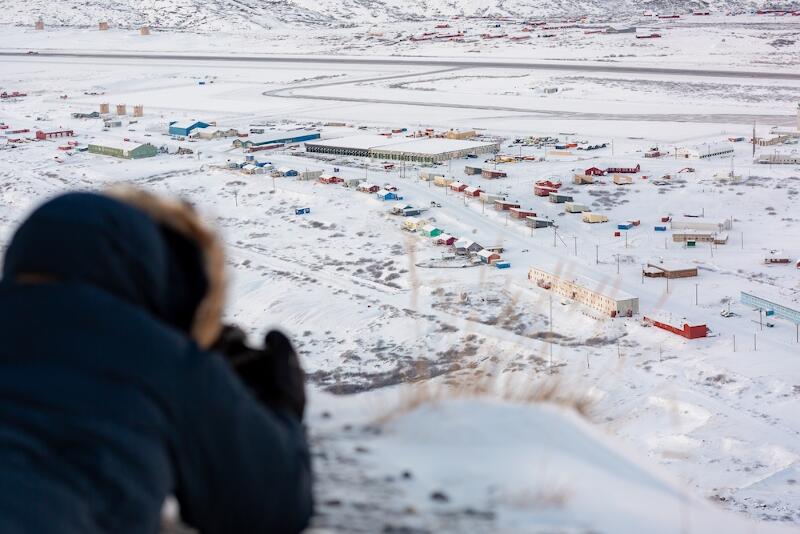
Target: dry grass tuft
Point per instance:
(548, 390)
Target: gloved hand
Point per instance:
(273, 373)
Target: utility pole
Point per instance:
(742, 240)
(617, 263)
(554, 236)
(760, 321)
(551, 333)
(695, 294)
(575, 238)
(755, 347)
(667, 279)
(626, 239)
(734, 342)
(597, 254)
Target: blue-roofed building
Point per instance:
(184, 128)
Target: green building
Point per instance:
(123, 149)
(431, 231)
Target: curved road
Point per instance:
(458, 64)
(708, 118)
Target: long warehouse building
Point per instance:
(603, 297)
(425, 150)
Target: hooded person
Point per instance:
(119, 385)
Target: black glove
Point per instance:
(272, 373)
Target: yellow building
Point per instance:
(593, 218)
(442, 181)
(600, 296)
(412, 224)
(460, 134)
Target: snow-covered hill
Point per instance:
(483, 465)
(244, 15)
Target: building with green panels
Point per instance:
(123, 149)
(431, 231)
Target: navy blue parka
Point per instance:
(107, 403)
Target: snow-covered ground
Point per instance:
(671, 423)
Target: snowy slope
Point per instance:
(244, 15)
(482, 465)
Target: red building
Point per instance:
(472, 191)
(446, 239)
(490, 173)
(548, 183)
(457, 187)
(41, 136)
(624, 170)
(504, 205)
(325, 179)
(368, 188)
(594, 171)
(542, 191)
(519, 213)
(688, 331)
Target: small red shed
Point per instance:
(688, 331)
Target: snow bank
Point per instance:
(524, 468)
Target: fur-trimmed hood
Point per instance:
(149, 250)
(181, 217)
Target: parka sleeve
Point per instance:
(241, 467)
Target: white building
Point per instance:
(699, 223)
(706, 150)
(421, 150)
(604, 297)
(214, 133)
(779, 159)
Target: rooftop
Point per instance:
(358, 142)
(119, 144)
(435, 145)
(184, 124)
(271, 136)
(607, 287)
